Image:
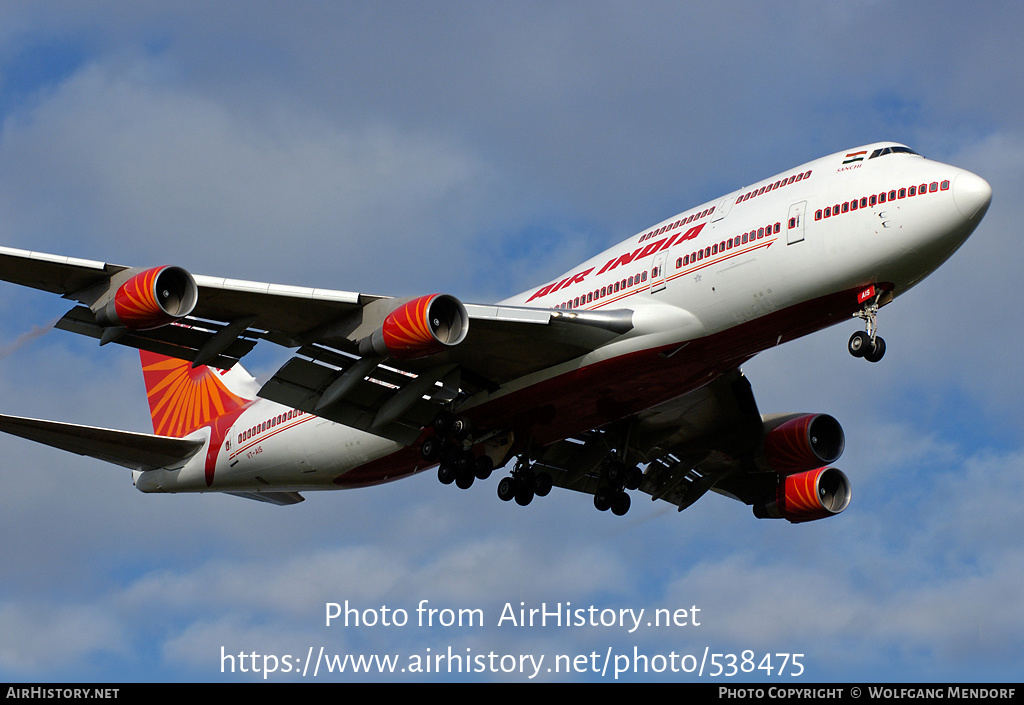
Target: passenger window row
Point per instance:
(268, 424)
(672, 226)
(598, 294)
(728, 244)
(883, 197)
(771, 187)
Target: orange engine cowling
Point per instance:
(421, 327)
(807, 496)
(151, 299)
(804, 443)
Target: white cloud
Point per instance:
(39, 635)
(136, 168)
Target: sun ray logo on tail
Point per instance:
(182, 399)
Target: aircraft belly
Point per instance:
(594, 395)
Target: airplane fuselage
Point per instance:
(709, 288)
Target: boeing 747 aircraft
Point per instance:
(620, 376)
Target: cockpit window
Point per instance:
(891, 150)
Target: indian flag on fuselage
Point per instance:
(854, 157)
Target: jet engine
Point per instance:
(807, 496)
(803, 443)
(150, 299)
(420, 327)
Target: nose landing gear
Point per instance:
(868, 344)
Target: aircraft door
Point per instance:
(795, 223)
(724, 207)
(658, 273)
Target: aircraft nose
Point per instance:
(972, 194)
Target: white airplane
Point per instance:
(621, 375)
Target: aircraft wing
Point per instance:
(713, 439)
(689, 445)
(347, 368)
(138, 451)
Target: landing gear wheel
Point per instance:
(876, 352)
(860, 344)
(542, 484)
(464, 479)
(615, 472)
(524, 494)
(459, 427)
(465, 462)
(620, 504)
(443, 424)
(446, 474)
(484, 467)
(431, 449)
(603, 499)
(506, 489)
(634, 477)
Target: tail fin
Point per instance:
(182, 399)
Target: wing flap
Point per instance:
(138, 451)
(180, 340)
(301, 384)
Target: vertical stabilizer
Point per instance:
(182, 399)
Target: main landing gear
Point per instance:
(452, 448)
(524, 484)
(456, 463)
(868, 344)
(615, 480)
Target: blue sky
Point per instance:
(479, 149)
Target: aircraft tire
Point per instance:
(466, 462)
(446, 474)
(431, 449)
(506, 489)
(620, 504)
(459, 427)
(524, 495)
(876, 352)
(634, 476)
(464, 480)
(602, 499)
(542, 484)
(860, 344)
(616, 472)
(483, 468)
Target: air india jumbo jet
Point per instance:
(621, 375)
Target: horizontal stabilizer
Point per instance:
(138, 451)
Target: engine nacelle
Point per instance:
(804, 443)
(807, 496)
(151, 299)
(421, 327)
